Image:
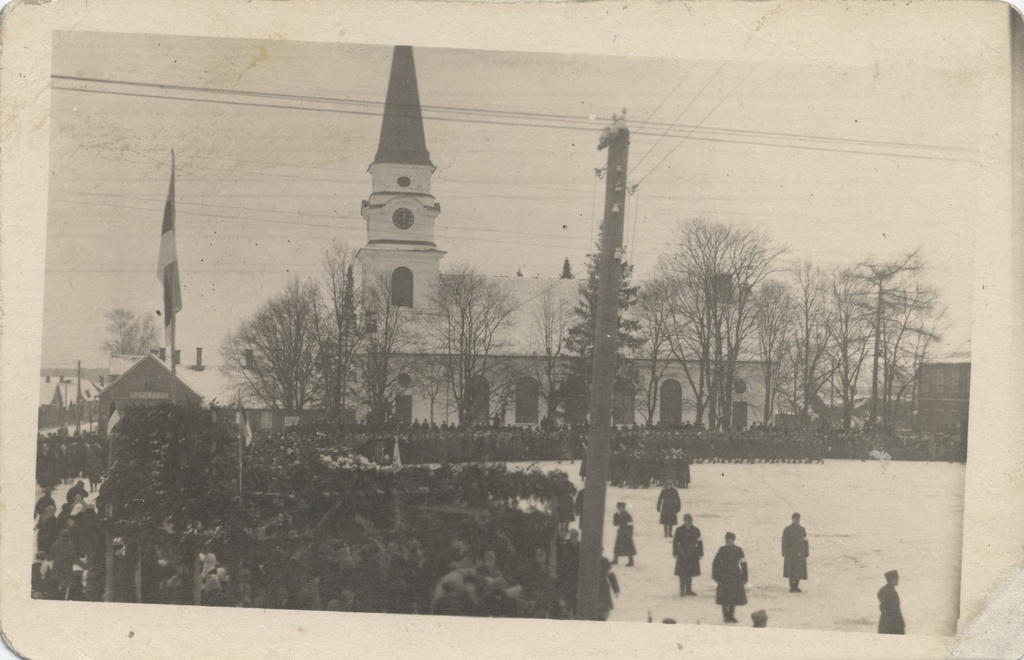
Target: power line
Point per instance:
(710, 112)
(588, 129)
(680, 116)
(589, 123)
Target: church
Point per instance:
(401, 215)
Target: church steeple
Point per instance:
(401, 133)
(400, 213)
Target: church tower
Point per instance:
(400, 212)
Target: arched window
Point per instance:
(527, 391)
(624, 403)
(401, 287)
(671, 402)
(478, 396)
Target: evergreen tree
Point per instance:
(566, 270)
(579, 340)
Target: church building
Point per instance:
(400, 252)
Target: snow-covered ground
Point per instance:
(862, 519)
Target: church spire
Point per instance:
(401, 131)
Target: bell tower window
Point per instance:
(401, 287)
(403, 182)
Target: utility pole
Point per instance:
(606, 335)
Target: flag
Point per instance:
(242, 420)
(114, 418)
(167, 267)
(396, 455)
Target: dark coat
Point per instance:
(579, 504)
(891, 620)
(63, 556)
(688, 549)
(729, 570)
(609, 584)
(669, 505)
(624, 537)
(77, 489)
(795, 550)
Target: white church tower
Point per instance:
(400, 212)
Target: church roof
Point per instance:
(401, 132)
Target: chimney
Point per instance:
(47, 379)
(249, 359)
(101, 381)
(199, 358)
(177, 356)
(163, 354)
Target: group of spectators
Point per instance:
(62, 457)
(423, 442)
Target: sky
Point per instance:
(273, 138)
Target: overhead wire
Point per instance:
(710, 112)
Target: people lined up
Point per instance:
(61, 458)
(651, 449)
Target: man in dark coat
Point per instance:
(891, 620)
(795, 551)
(688, 549)
(729, 570)
(579, 505)
(77, 489)
(668, 507)
(624, 536)
(45, 501)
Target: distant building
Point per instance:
(148, 380)
(66, 401)
(943, 396)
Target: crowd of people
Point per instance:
(427, 442)
(62, 457)
(292, 567)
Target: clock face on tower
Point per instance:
(403, 218)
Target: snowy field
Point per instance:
(862, 519)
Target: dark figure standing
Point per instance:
(729, 570)
(891, 620)
(795, 551)
(624, 536)
(688, 549)
(668, 507)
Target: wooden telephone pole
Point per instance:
(606, 335)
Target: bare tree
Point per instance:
(904, 310)
(431, 378)
(338, 330)
(551, 320)
(773, 316)
(272, 356)
(910, 326)
(472, 309)
(652, 312)
(811, 338)
(129, 333)
(716, 269)
(387, 335)
(851, 329)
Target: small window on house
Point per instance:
(266, 420)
